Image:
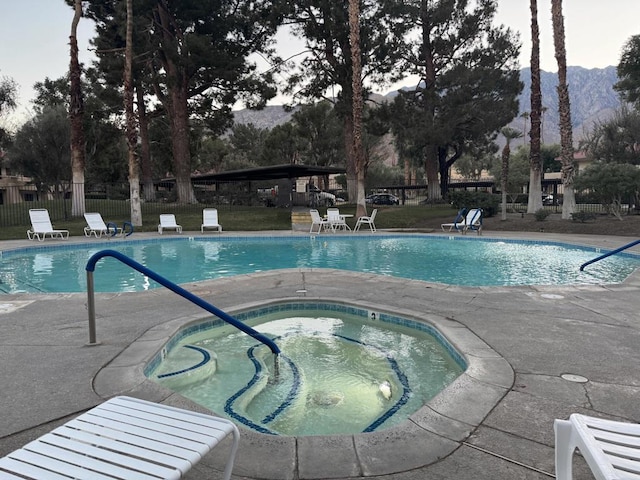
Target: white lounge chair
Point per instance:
(610, 448)
(336, 221)
(123, 438)
(316, 219)
(472, 221)
(168, 222)
(210, 219)
(458, 222)
(367, 220)
(97, 227)
(41, 226)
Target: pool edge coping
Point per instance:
(430, 434)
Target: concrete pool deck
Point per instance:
(49, 375)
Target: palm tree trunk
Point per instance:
(564, 109)
(535, 161)
(131, 130)
(357, 105)
(506, 153)
(76, 113)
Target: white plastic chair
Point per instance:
(41, 226)
(168, 222)
(210, 219)
(316, 219)
(336, 221)
(367, 220)
(97, 227)
(610, 448)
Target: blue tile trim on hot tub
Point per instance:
(298, 306)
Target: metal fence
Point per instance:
(112, 201)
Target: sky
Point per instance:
(34, 38)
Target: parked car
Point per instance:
(382, 199)
(319, 198)
(550, 200)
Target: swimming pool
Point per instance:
(342, 369)
(442, 259)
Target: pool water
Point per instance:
(338, 373)
(441, 259)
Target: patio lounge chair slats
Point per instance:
(41, 226)
(123, 438)
(610, 448)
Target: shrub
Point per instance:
(541, 214)
(583, 217)
(486, 201)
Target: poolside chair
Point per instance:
(610, 448)
(41, 226)
(97, 227)
(210, 219)
(367, 220)
(168, 222)
(472, 221)
(336, 221)
(316, 219)
(124, 438)
(457, 222)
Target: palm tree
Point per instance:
(76, 113)
(525, 116)
(357, 105)
(564, 109)
(131, 129)
(535, 160)
(509, 134)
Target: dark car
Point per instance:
(382, 199)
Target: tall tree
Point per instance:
(41, 149)
(357, 152)
(535, 160)
(321, 133)
(202, 56)
(104, 153)
(199, 59)
(629, 72)
(131, 129)
(469, 81)
(326, 70)
(76, 112)
(525, 116)
(509, 134)
(616, 139)
(564, 109)
(8, 93)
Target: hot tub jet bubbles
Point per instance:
(385, 389)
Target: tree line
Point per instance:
(181, 66)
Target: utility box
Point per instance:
(300, 219)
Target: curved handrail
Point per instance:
(91, 266)
(608, 254)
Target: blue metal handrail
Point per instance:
(91, 266)
(608, 254)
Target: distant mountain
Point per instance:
(268, 117)
(591, 95)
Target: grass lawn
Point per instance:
(248, 219)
